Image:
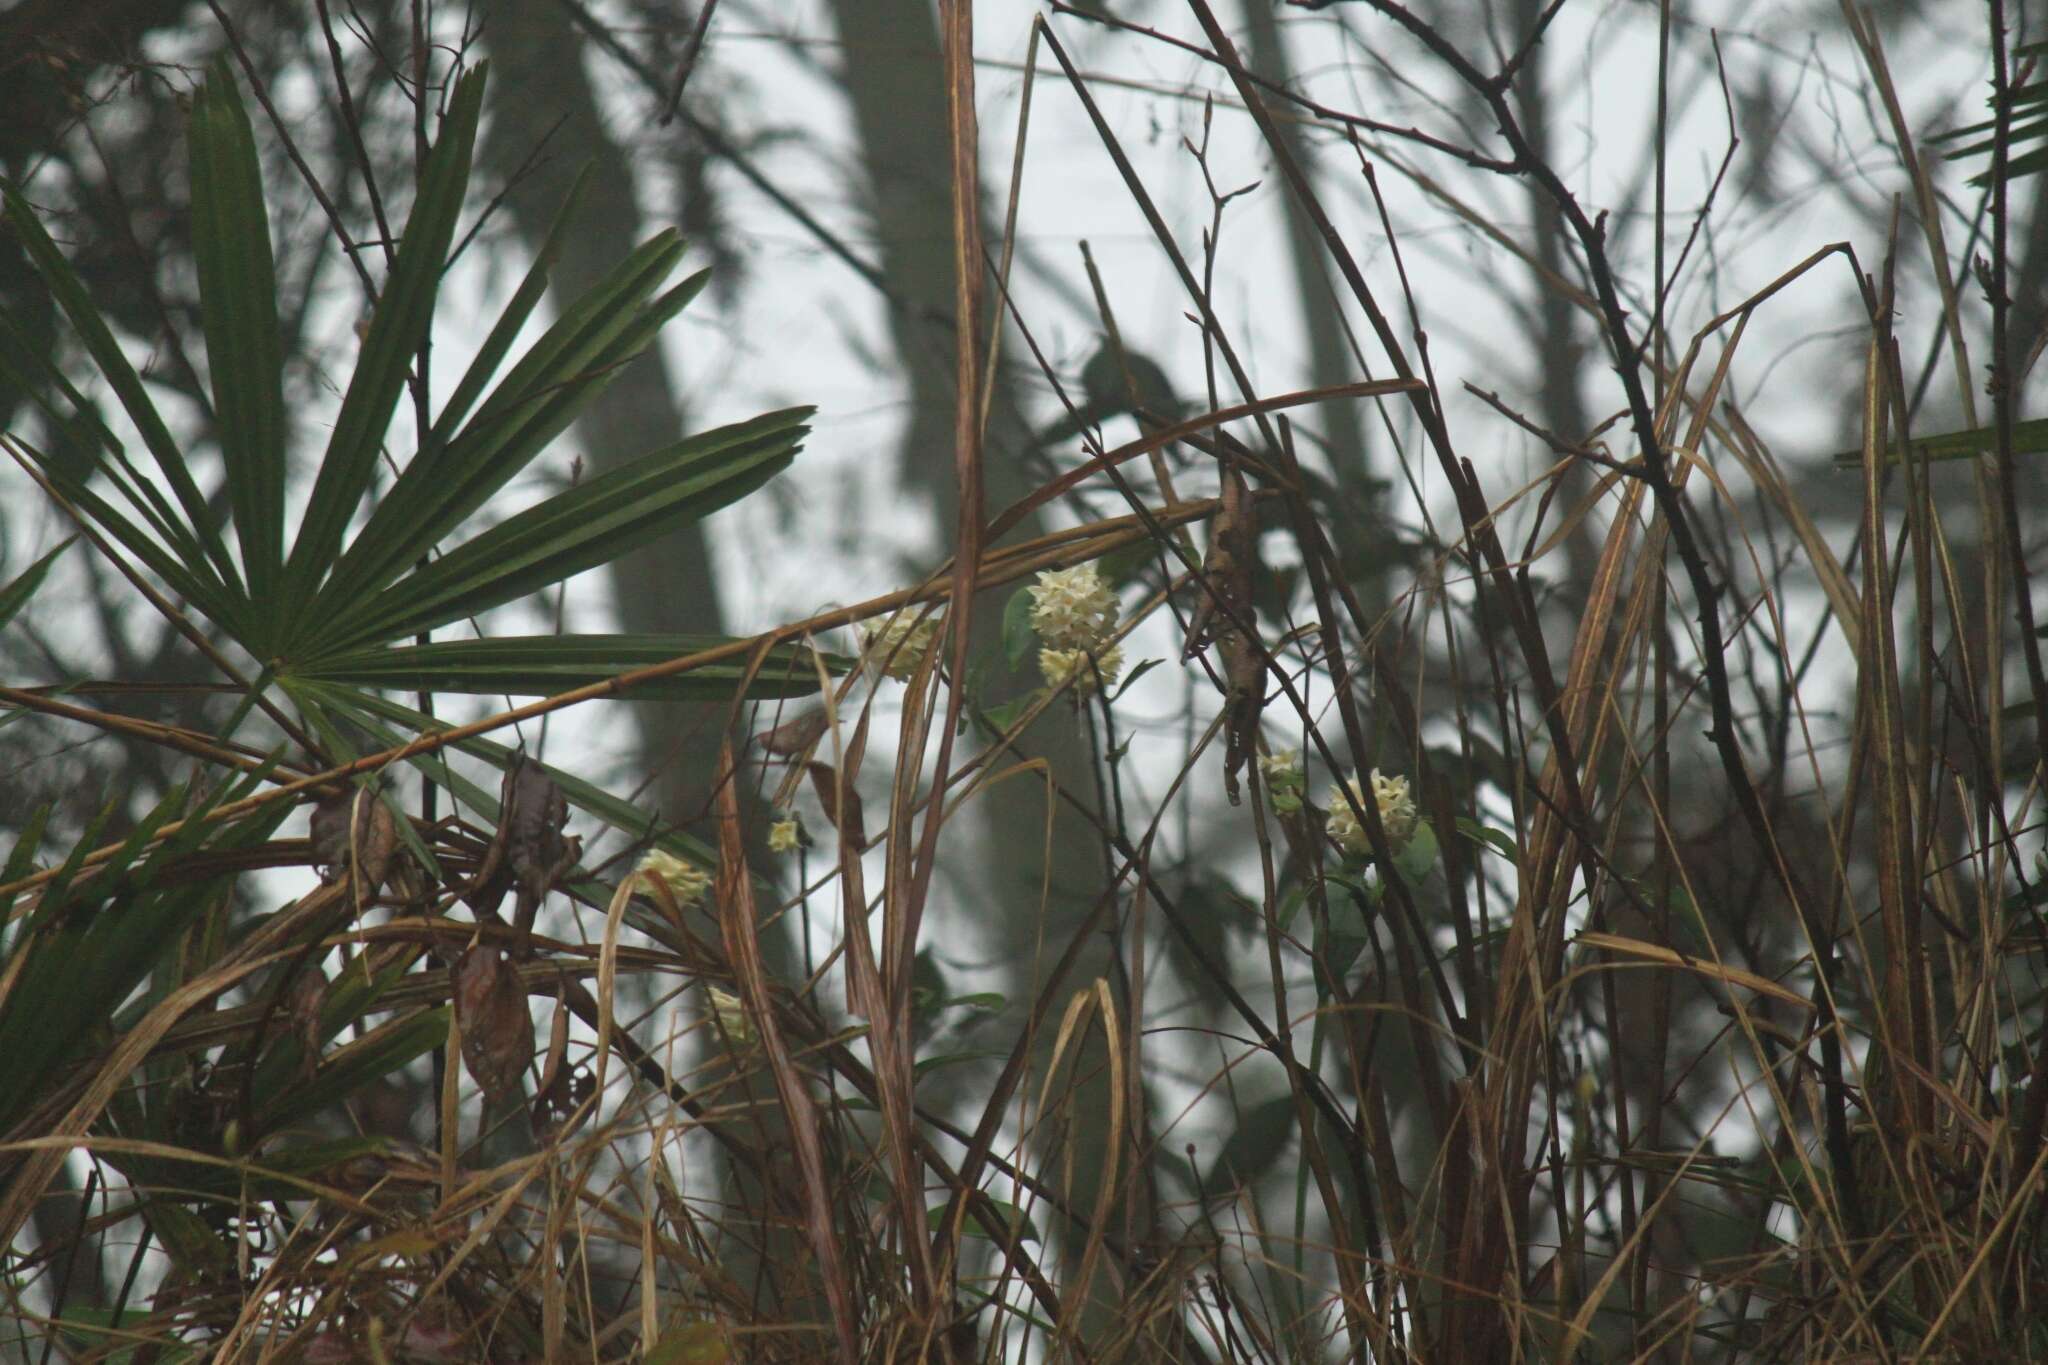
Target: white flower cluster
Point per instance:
(1397, 813)
(1074, 613)
(898, 644)
(1073, 608)
(784, 837)
(683, 879)
(1285, 782)
(1080, 667)
(731, 1014)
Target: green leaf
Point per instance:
(998, 719)
(86, 444)
(2028, 438)
(173, 566)
(375, 1055)
(16, 595)
(1121, 566)
(690, 1343)
(1144, 666)
(1350, 930)
(1015, 1222)
(1290, 905)
(199, 543)
(1499, 841)
(544, 665)
(524, 300)
(95, 938)
(926, 1065)
(1019, 639)
(368, 709)
(1418, 855)
(586, 526)
(399, 325)
(1260, 1140)
(194, 1247)
(281, 1172)
(19, 860)
(238, 304)
(95, 1329)
(454, 475)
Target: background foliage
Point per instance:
(1605, 427)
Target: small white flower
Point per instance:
(685, 881)
(1282, 769)
(1397, 813)
(1061, 665)
(897, 645)
(731, 1013)
(1284, 780)
(1073, 608)
(783, 837)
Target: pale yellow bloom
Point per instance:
(783, 837)
(1073, 609)
(1397, 813)
(1060, 665)
(731, 1013)
(1281, 770)
(897, 644)
(686, 881)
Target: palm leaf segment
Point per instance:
(328, 609)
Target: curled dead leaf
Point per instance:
(308, 991)
(825, 782)
(533, 815)
(355, 830)
(330, 835)
(559, 1100)
(794, 736)
(497, 1032)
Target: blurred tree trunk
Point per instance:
(1357, 525)
(541, 94)
(1032, 895)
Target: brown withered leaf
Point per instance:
(346, 828)
(408, 881)
(330, 835)
(485, 892)
(1226, 593)
(308, 990)
(529, 851)
(794, 736)
(490, 1005)
(531, 819)
(824, 781)
(1244, 674)
(358, 1174)
(558, 1042)
(557, 1101)
(1228, 573)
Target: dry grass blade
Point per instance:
(739, 925)
(1713, 971)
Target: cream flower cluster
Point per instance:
(1063, 665)
(1397, 813)
(731, 1014)
(1073, 609)
(1285, 781)
(1073, 613)
(783, 837)
(897, 645)
(685, 881)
